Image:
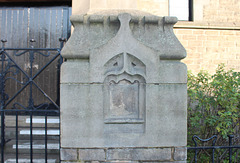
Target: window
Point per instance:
(182, 9)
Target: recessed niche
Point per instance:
(124, 90)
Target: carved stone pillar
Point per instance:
(123, 89)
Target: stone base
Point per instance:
(167, 155)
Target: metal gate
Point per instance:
(230, 153)
(29, 81)
(28, 88)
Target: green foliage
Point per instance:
(214, 104)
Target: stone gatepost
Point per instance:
(123, 90)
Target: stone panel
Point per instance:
(75, 72)
(180, 153)
(139, 154)
(172, 72)
(163, 104)
(121, 162)
(91, 154)
(167, 113)
(164, 162)
(72, 162)
(84, 113)
(69, 154)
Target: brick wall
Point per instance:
(215, 38)
(156, 7)
(222, 11)
(206, 48)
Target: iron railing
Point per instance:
(9, 70)
(197, 148)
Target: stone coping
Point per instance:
(86, 19)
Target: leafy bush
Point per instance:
(214, 105)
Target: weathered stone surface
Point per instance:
(72, 161)
(123, 87)
(129, 56)
(164, 162)
(164, 105)
(92, 31)
(91, 154)
(93, 161)
(180, 162)
(86, 115)
(180, 154)
(167, 114)
(68, 154)
(139, 154)
(75, 71)
(121, 161)
(172, 72)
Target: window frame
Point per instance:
(190, 10)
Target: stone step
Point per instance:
(41, 120)
(37, 158)
(38, 147)
(28, 160)
(38, 121)
(10, 133)
(24, 133)
(40, 132)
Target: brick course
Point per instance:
(206, 48)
